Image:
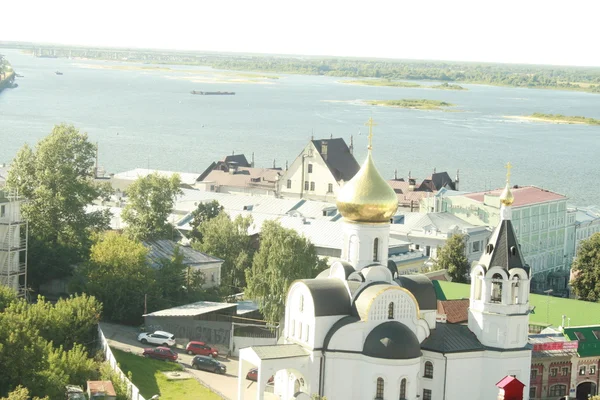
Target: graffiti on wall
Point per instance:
(215, 335)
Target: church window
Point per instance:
(496, 288)
(391, 310)
(582, 370)
(558, 390)
(352, 245)
(376, 249)
(310, 168)
(478, 284)
(312, 186)
(427, 394)
(305, 185)
(289, 183)
(379, 393)
(301, 303)
(330, 188)
(515, 289)
(403, 389)
(428, 369)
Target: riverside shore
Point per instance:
(7, 81)
(553, 120)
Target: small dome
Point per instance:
(507, 197)
(367, 197)
(393, 341)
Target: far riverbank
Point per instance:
(555, 119)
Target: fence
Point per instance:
(133, 391)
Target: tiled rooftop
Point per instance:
(524, 195)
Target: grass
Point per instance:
(383, 82)
(418, 104)
(148, 377)
(448, 86)
(565, 119)
(548, 309)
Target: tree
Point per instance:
(452, 257)
(57, 180)
(150, 201)
(21, 393)
(229, 241)
(586, 269)
(283, 256)
(203, 212)
(118, 275)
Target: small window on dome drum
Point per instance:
(380, 387)
(376, 249)
(391, 310)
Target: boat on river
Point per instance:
(58, 73)
(211, 93)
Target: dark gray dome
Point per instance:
(421, 287)
(346, 266)
(393, 341)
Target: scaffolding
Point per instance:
(13, 242)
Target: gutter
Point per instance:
(322, 375)
(445, 374)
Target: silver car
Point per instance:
(160, 338)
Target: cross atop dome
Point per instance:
(370, 123)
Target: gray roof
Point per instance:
(193, 309)
(503, 249)
(437, 181)
(272, 352)
(162, 248)
(340, 161)
(330, 296)
(422, 288)
(239, 159)
(451, 338)
(393, 341)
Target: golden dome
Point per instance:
(367, 197)
(507, 197)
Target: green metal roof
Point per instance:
(588, 337)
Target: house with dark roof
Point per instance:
(319, 171)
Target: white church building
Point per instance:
(360, 331)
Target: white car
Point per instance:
(160, 338)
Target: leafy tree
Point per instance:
(150, 201)
(452, 257)
(586, 269)
(283, 257)
(118, 275)
(7, 297)
(21, 393)
(203, 212)
(229, 241)
(57, 180)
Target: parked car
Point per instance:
(208, 364)
(160, 338)
(160, 353)
(252, 375)
(201, 349)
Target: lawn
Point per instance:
(148, 377)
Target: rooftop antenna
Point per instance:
(286, 165)
(252, 163)
(351, 144)
(233, 152)
(395, 174)
(312, 134)
(331, 136)
(273, 163)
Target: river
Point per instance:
(148, 118)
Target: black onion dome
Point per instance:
(393, 341)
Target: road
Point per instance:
(125, 338)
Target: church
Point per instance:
(361, 331)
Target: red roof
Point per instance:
(101, 387)
(509, 380)
(456, 311)
(524, 195)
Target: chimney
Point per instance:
(324, 149)
(274, 164)
(396, 174)
(232, 167)
(457, 180)
(252, 163)
(351, 148)
(434, 170)
(411, 184)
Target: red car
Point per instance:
(201, 349)
(252, 375)
(160, 353)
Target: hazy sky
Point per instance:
(523, 31)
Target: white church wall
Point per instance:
(404, 310)
(500, 364)
(463, 377)
(359, 243)
(350, 337)
(429, 316)
(436, 382)
(321, 328)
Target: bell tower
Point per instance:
(499, 300)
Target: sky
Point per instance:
(512, 31)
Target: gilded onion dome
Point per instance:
(367, 197)
(507, 197)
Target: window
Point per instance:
(305, 185)
(391, 310)
(532, 392)
(565, 371)
(558, 390)
(426, 394)
(476, 247)
(582, 370)
(592, 369)
(376, 249)
(312, 186)
(379, 393)
(212, 277)
(553, 371)
(2, 211)
(330, 188)
(496, 288)
(289, 183)
(310, 168)
(428, 370)
(403, 389)
(301, 304)
(534, 374)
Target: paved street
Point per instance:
(125, 338)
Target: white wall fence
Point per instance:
(133, 391)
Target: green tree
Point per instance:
(57, 180)
(229, 241)
(586, 269)
(150, 200)
(118, 275)
(7, 297)
(452, 257)
(202, 213)
(21, 393)
(283, 256)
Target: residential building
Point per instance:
(410, 193)
(13, 242)
(319, 171)
(121, 181)
(242, 181)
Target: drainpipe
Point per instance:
(302, 180)
(445, 374)
(322, 375)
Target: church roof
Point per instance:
(271, 352)
(393, 341)
(451, 338)
(503, 249)
(339, 160)
(422, 288)
(330, 296)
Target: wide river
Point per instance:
(148, 118)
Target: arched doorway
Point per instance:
(585, 390)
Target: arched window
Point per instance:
(515, 290)
(301, 303)
(428, 370)
(403, 389)
(391, 310)
(379, 393)
(352, 245)
(478, 285)
(558, 390)
(376, 249)
(496, 288)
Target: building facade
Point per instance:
(13, 243)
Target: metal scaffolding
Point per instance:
(13, 242)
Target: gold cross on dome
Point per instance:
(508, 167)
(370, 123)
